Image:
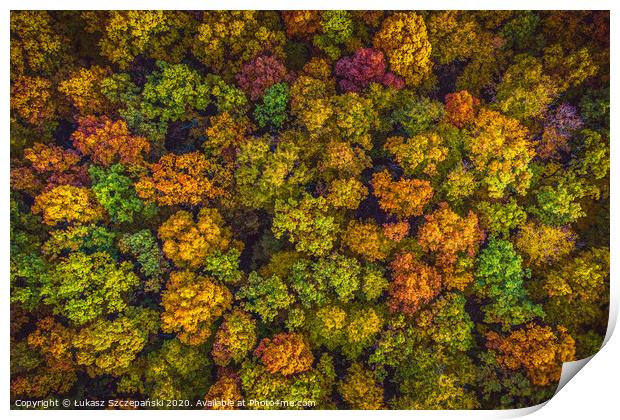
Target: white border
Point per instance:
(593, 394)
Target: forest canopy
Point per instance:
(344, 209)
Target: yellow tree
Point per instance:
(359, 389)
(540, 244)
(69, 204)
(404, 39)
(187, 242)
(500, 151)
(191, 305)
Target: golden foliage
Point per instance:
(191, 304)
(179, 179)
(187, 242)
(448, 234)
(69, 204)
(402, 198)
(286, 353)
(537, 349)
(404, 40)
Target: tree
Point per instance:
(539, 350)
(86, 239)
(257, 75)
(558, 200)
(27, 267)
(352, 329)
(225, 266)
(110, 347)
(354, 118)
(404, 40)
(359, 389)
(143, 246)
(374, 283)
(336, 276)
(560, 127)
(225, 135)
(31, 100)
(234, 338)
(594, 108)
(367, 240)
(418, 155)
(414, 284)
(592, 150)
(174, 92)
(272, 112)
(587, 279)
(500, 218)
(226, 40)
(227, 388)
(301, 23)
(432, 381)
(346, 193)
(314, 384)
(460, 184)
(402, 198)
(500, 152)
(179, 179)
(569, 68)
(265, 174)
(107, 142)
(427, 376)
(48, 166)
(307, 223)
(453, 35)
(449, 235)
(525, 91)
(36, 46)
(84, 287)
(191, 305)
(578, 293)
(542, 245)
(365, 66)
(158, 34)
(416, 115)
(172, 371)
(310, 101)
(187, 242)
(116, 194)
(499, 278)
(341, 159)
(285, 353)
(83, 89)
(336, 29)
(461, 108)
(447, 324)
(43, 364)
(264, 296)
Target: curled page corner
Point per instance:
(569, 370)
(519, 412)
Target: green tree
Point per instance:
(85, 287)
(499, 277)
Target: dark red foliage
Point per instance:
(259, 74)
(367, 65)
